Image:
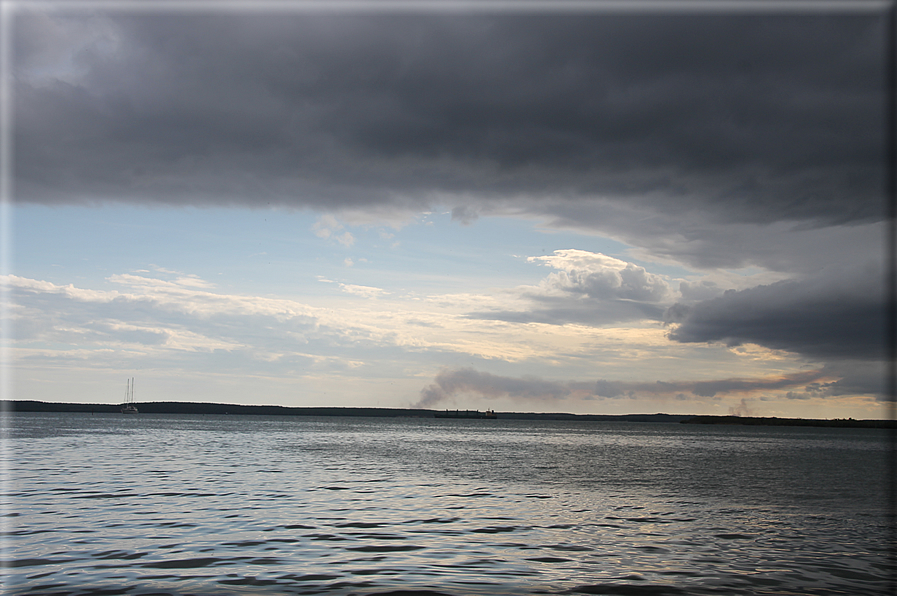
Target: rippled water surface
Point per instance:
(221, 505)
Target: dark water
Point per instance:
(221, 505)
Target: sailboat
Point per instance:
(128, 407)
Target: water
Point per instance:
(221, 505)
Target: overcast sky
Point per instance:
(580, 210)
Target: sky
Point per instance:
(568, 207)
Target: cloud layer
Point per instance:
(819, 318)
(738, 118)
(451, 384)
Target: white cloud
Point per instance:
(326, 226)
(193, 281)
(587, 288)
(601, 277)
(363, 291)
(346, 239)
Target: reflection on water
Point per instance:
(167, 504)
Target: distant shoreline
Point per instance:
(177, 407)
(773, 421)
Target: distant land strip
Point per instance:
(772, 421)
(178, 407)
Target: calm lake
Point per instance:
(221, 505)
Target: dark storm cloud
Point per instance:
(819, 318)
(738, 117)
